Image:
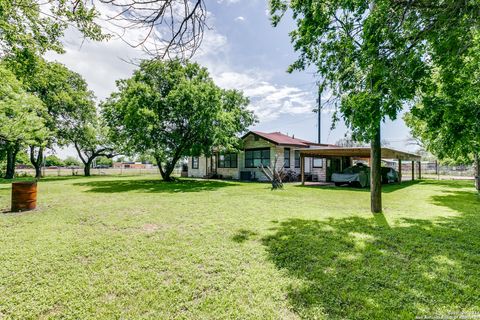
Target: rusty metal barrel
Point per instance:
(24, 196)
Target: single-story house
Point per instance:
(261, 148)
(132, 165)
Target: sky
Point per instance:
(241, 50)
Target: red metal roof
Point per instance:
(280, 138)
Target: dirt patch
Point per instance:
(150, 227)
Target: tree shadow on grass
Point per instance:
(43, 180)
(243, 235)
(360, 268)
(457, 184)
(386, 188)
(114, 186)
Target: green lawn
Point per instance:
(138, 248)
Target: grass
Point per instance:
(138, 248)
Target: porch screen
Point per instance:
(255, 157)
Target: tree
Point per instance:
(371, 55)
(90, 140)
(21, 120)
(446, 118)
(174, 109)
(104, 161)
(65, 95)
(53, 161)
(145, 158)
(71, 162)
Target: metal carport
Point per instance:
(360, 152)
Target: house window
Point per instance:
(195, 162)
(286, 157)
(317, 162)
(256, 138)
(255, 157)
(228, 160)
(297, 158)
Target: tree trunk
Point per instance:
(37, 160)
(375, 173)
(12, 151)
(477, 171)
(86, 169)
(166, 174)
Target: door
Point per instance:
(333, 165)
(211, 165)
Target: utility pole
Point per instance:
(319, 114)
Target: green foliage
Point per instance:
(374, 54)
(37, 27)
(146, 158)
(447, 116)
(104, 161)
(71, 161)
(364, 52)
(22, 115)
(65, 94)
(90, 140)
(71, 115)
(22, 157)
(53, 161)
(171, 109)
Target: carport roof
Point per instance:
(362, 152)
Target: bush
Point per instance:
(54, 161)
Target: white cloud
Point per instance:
(268, 100)
(102, 63)
(239, 19)
(228, 1)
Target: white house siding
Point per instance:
(229, 173)
(201, 171)
(251, 143)
(321, 173)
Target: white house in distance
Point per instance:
(320, 160)
(261, 148)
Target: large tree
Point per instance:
(21, 120)
(65, 95)
(173, 109)
(446, 118)
(90, 140)
(371, 55)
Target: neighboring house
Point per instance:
(132, 165)
(260, 148)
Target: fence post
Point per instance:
(400, 170)
(419, 170)
(413, 170)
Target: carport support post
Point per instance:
(302, 168)
(419, 170)
(400, 170)
(413, 170)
